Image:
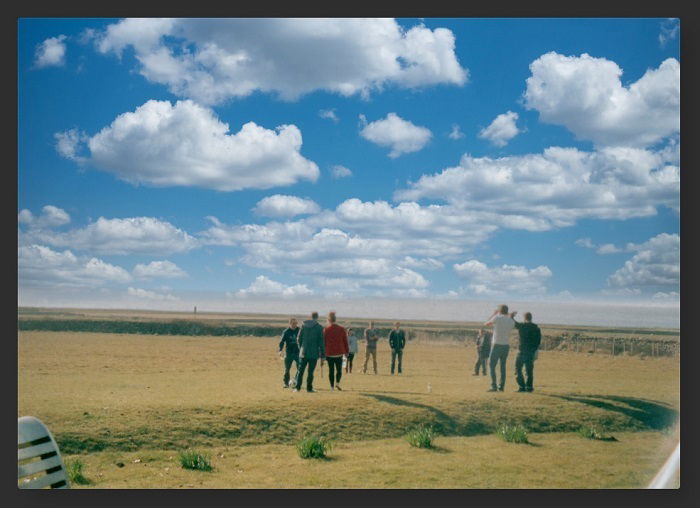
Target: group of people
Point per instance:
(305, 345)
(493, 347)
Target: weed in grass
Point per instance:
(313, 447)
(422, 437)
(513, 433)
(191, 459)
(74, 469)
(595, 433)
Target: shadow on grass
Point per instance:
(652, 414)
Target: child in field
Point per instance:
(483, 348)
(352, 347)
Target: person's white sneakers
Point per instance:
(331, 388)
(295, 390)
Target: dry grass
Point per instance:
(116, 398)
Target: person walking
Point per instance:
(311, 348)
(530, 338)
(483, 348)
(336, 344)
(502, 325)
(397, 341)
(371, 337)
(352, 346)
(291, 355)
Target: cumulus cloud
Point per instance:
(502, 129)
(656, 265)
(669, 30)
(68, 144)
(151, 295)
(212, 60)
(185, 144)
(51, 216)
(396, 133)
(159, 270)
(38, 265)
(557, 187)
(329, 114)
(263, 286)
(285, 206)
(51, 52)
(134, 235)
(585, 95)
(456, 132)
(506, 279)
(607, 248)
(339, 171)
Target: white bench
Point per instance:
(39, 463)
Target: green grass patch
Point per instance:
(422, 437)
(313, 447)
(513, 433)
(74, 470)
(191, 459)
(590, 432)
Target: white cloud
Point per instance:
(502, 129)
(339, 171)
(262, 286)
(329, 114)
(556, 188)
(669, 30)
(456, 133)
(134, 235)
(396, 133)
(671, 295)
(279, 205)
(69, 142)
(585, 95)
(151, 295)
(506, 279)
(38, 265)
(51, 52)
(656, 265)
(585, 242)
(607, 248)
(186, 145)
(159, 270)
(212, 60)
(51, 216)
(422, 263)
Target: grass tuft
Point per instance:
(191, 459)
(422, 437)
(313, 447)
(74, 469)
(513, 433)
(595, 433)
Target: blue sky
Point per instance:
(173, 162)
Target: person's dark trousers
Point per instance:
(525, 359)
(499, 353)
(481, 364)
(303, 362)
(288, 360)
(335, 364)
(394, 354)
(348, 364)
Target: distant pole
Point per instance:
(195, 310)
(613, 347)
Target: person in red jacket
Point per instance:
(335, 339)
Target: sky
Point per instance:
(243, 164)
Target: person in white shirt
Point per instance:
(502, 324)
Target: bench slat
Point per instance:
(35, 467)
(44, 481)
(35, 451)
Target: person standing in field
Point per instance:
(371, 338)
(352, 347)
(336, 344)
(502, 325)
(289, 343)
(483, 348)
(311, 348)
(397, 341)
(530, 338)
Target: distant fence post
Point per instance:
(613, 347)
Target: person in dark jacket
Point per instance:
(397, 341)
(289, 343)
(335, 340)
(483, 349)
(530, 337)
(311, 348)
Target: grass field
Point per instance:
(125, 405)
